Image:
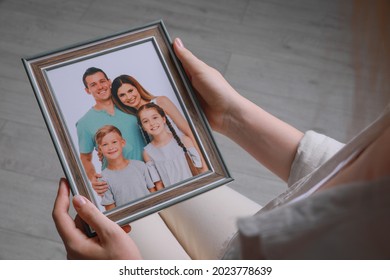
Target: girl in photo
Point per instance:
(165, 155)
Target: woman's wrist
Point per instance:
(235, 117)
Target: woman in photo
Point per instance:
(166, 153)
(129, 95)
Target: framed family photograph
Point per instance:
(125, 122)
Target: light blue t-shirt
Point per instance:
(94, 119)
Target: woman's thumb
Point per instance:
(189, 61)
(78, 202)
(89, 213)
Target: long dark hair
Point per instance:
(126, 79)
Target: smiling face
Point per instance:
(129, 96)
(152, 122)
(111, 145)
(98, 86)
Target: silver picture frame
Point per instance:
(146, 52)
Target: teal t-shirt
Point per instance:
(93, 120)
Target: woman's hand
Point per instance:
(216, 95)
(111, 242)
(269, 140)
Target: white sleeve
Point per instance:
(313, 150)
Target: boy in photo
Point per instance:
(127, 180)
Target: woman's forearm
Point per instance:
(268, 139)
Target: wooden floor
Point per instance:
(290, 57)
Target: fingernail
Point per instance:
(179, 43)
(78, 201)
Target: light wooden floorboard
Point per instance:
(290, 57)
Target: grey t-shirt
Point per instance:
(128, 184)
(170, 162)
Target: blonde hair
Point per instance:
(371, 54)
(103, 131)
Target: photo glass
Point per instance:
(120, 110)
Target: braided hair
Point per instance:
(161, 112)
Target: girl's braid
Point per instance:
(173, 131)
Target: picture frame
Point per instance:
(144, 53)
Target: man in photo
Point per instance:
(104, 112)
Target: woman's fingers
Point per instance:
(90, 214)
(111, 241)
(64, 223)
(190, 62)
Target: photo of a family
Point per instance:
(130, 168)
(125, 124)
